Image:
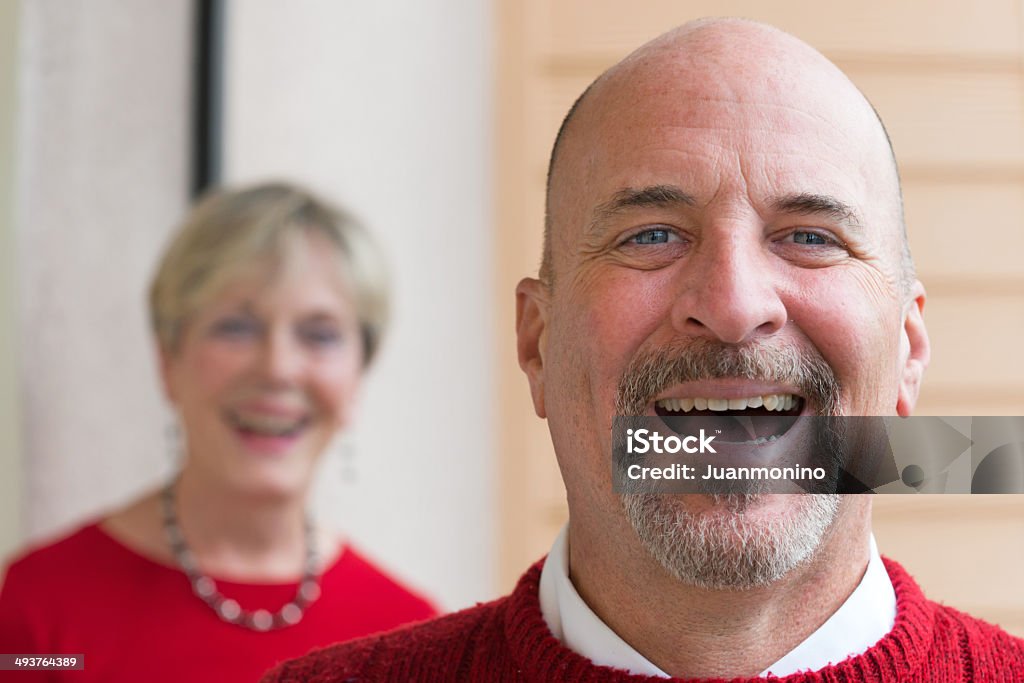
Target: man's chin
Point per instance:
(750, 505)
(732, 541)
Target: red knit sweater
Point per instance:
(507, 640)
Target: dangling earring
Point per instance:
(172, 441)
(347, 453)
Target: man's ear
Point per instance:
(531, 329)
(915, 351)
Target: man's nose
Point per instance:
(730, 292)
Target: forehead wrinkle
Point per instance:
(843, 180)
(759, 105)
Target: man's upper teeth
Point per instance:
(778, 402)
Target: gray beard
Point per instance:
(722, 548)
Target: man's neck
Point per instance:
(689, 631)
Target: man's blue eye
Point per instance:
(813, 238)
(652, 237)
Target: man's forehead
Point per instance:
(744, 55)
(795, 115)
(717, 149)
(681, 88)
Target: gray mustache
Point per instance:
(651, 373)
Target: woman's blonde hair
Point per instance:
(230, 229)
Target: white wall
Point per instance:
(10, 449)
(384, 107)
(101, 169)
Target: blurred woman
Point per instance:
(267, 308)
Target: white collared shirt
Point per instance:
(860, 622)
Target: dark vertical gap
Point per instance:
(207, 95)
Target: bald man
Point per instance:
(724, 231)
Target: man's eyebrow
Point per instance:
(808, 204)
(644, 197)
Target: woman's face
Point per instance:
(267, 372)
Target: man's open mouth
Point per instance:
(753, 419)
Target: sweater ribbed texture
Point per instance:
(508, 640)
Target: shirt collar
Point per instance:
(865, 616)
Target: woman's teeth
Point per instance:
(268, 425)
(775, 402)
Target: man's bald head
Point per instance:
(749, 49)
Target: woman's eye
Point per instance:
(235, 327)
(812, 238)
(656, 236)
(320, 336)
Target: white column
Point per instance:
(11, 473)
(101, 177)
